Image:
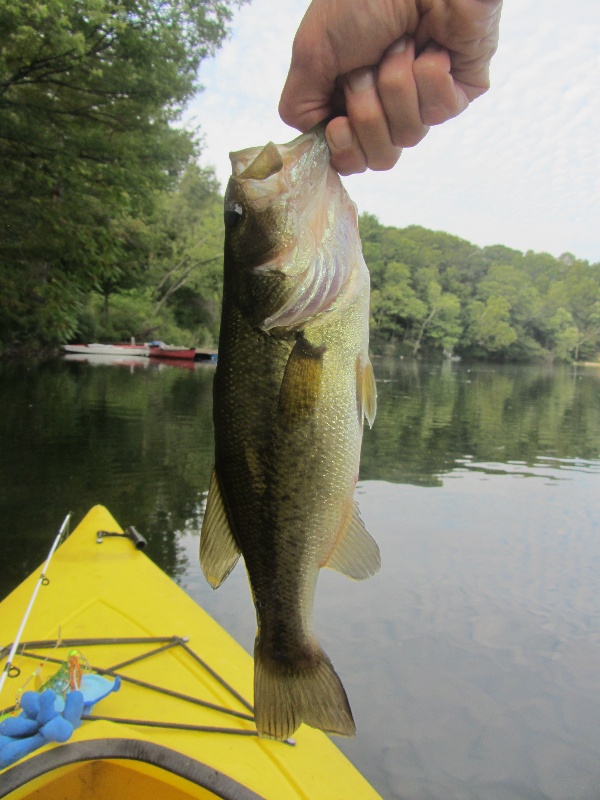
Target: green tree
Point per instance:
(488, 325)
(583, 298)
(565, 335)
(88, 94)
(440, 322)
(524, 306)
(433, 292)
(175, 294)
(395, 308)
(185, 271)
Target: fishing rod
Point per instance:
(42, 581)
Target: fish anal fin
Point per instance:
(366, 390)
(355, 552)
(308, 690)
(301, 382)
(219, 551)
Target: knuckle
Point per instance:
(391, 79)
(364, 115)
(352, 171)
(385, 161)
(437, 114)
(409, 137)
(349, 163)
(284, 110)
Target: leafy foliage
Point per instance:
(438, 294)
(110, 229)
(89, 90)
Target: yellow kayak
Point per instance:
(180, 725)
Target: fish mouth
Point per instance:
(316, 242)
(272, 170)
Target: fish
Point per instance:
(292, 388)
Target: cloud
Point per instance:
(520, 167)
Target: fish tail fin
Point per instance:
(308, 690)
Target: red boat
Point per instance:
(161, 350)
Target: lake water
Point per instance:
(472, 660)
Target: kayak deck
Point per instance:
(181, 724)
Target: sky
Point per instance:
(520, 167)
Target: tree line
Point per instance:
(109, 228)
(90, 96)
(437, 293)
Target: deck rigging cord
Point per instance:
(23, 649)
(9, 669)
(26, 650)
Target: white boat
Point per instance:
(97, 349)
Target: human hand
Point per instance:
(386, 70)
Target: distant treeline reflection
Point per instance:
(432, 418)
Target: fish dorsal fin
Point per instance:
(301, 380)
(366, 390)
(266, 163)
(355, 553)
(219, 551)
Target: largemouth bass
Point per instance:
(292, 386)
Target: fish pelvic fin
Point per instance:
(308, 690)
(366, 390)
(219, 551)
(355, 552)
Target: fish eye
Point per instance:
(233, 215)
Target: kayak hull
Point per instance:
(118, 769)
(184, 681)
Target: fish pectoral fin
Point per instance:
(219, 551)
(366, 390)
(355, 553)
(301, 382)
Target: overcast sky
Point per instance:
(520, 167)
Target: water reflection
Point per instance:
(483, 638)
(433, 417)
(72, 435)
(472, 659)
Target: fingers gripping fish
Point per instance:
(292, 386)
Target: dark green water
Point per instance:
(472, 660)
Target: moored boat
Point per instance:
(162, 350)
(207, 354)
(98, 349)
(181, 724)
